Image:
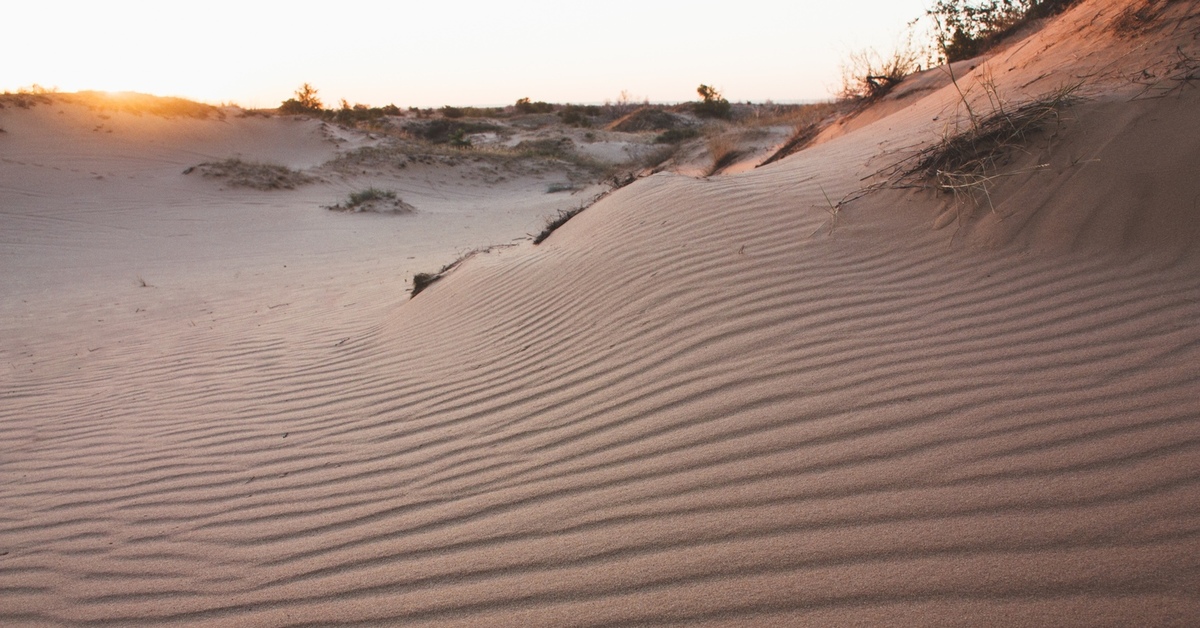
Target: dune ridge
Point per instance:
(699, 402)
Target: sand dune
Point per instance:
(700, 402)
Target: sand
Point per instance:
(703, 401)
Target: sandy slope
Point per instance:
(696, 403)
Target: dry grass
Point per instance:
(868, 75)
(966, 163)
(249, 174)
(723, 149)
(976, 152)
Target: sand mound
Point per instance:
(699, 402)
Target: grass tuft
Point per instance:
(979, 149)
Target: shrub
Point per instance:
(374, 199)
(579, 115)
(712, 103)
(966, 163)
(249, 174)
(442, 131)
(548, 147)
(524, 106)
(422, 281)
(459, 138)
(306, 101)
(968, 28)
(868, 76)
(648, 119)
(451, 112)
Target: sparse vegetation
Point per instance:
(868, 75)
(723, 149)
(556, 221)
(967, 162)
(249, 174)
(1138, 16)
(374, 199)
(648, 118)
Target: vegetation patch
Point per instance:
(648, 119)
(556, 221)
(967, 163)
(723, 148)
(982, 147)
(443, 131)
(969, 28)
(248, 174)
(24, 99)
(868, 76)
(374, 200)
(712, 104)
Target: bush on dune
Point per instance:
(968, 28)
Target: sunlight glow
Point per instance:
(426, 54)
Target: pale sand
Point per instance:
(693, 404)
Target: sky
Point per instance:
(431, 53)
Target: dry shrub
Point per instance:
(648, 119)
(966, 163)
(374, 200)
(724, 150)
(868, 76)
(249, 174)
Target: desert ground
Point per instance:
(912, 373)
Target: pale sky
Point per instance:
(432, 53)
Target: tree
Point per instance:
(713, 104)
(306, 101)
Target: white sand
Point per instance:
(695, 403)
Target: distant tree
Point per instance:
(306, 101)
(524, 106)
(712, 104)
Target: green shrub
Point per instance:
(968, 28)
(374, 200)
(712, 103)
(579, 115)
(371, 194)
(524, 106)
(305, 102)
